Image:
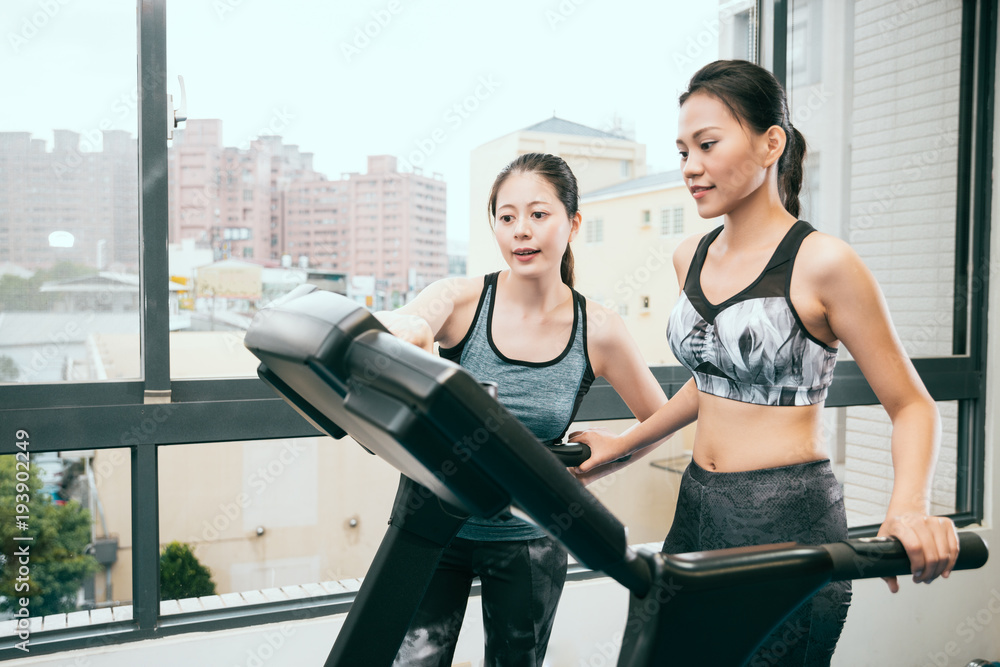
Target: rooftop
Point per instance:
(647, 183)
(556, 125)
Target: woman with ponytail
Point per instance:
(765, 304)
(526, 329)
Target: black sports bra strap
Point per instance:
(691, 280)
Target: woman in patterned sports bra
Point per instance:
(543, 343)
(766, 301)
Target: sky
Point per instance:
(424, 80)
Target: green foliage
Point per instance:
(181, 575)
(56, 562)
(20, 294)
(8, 369)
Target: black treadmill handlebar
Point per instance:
(859, 558)
(870, 557)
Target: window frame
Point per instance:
(113, 414)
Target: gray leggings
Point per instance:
(521, 584)
(800, 503)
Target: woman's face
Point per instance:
(723, 162)
(532, 228)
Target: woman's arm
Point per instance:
(641, 438)
(652, 429)
(857, 315)
(615, 356)
(428, 318)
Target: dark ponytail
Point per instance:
(566, 266)
(790, 170)
(558, 174)
(757, 100)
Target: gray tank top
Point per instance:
(544, 396)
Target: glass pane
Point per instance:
(369, 177)
(876, 96)
(69, 252)
(863, 436)
(65, 535)
(270, 519)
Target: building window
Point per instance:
(646, 218)
(626, 168)
(594, 232)
(678, 221)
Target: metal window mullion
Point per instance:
(981, 223)
(779, 64)
(155, 314)
(153, 211)
(145, 537)
(964, 169)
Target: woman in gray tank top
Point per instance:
(528, 330)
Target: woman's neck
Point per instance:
(529, 295)
(757, 219)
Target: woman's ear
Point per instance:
(776, 139)
(575, 223)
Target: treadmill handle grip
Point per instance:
(885, 556)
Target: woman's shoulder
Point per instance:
(824, 256)
(605, 327)
(684, 253)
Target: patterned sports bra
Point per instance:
(752, 347)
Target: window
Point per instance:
(645, 217)
(69, 251)
(666, 222)
(886, 179)
(594, 230)
(151, 395)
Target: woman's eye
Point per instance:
(706, 145)
(538, 215)
(684, 155)
(506, 218)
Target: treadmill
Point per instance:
(461, 453)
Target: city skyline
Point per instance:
(447, 88)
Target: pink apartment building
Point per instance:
(230, 199)
(268, 204)
(74, 203)
(383, 223)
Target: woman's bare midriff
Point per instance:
(732, 436)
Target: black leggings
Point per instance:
(800, 503)
(521, 585)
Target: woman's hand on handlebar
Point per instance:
(605, 452)
(931, 544)
(411, 328)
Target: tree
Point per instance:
(181, 575)
(8, 369)
(56, 560)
